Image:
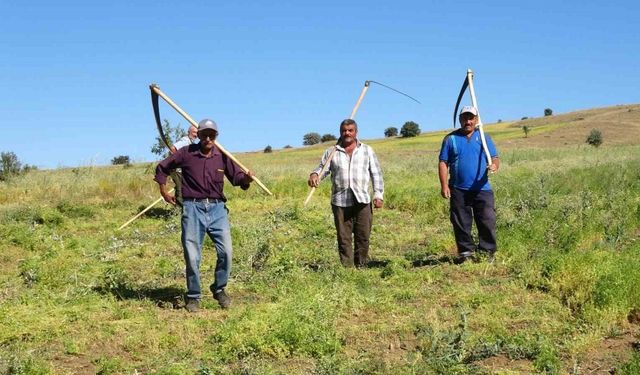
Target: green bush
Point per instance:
(121, 160)
(9, 165)
(595, 138)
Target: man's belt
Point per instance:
(203, 200)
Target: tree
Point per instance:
(311, 139)
(525, 129)
(328, 137)
(172, 132)
(268, 149)
(548, 112)
(524, 118)
(391, 132)
(9, 165)
(595, 138)
(287, 146)
(28, 168)
(121, 160)
(410, 129)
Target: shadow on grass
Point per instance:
(165, 297)
(317, 266)
(377, 263)
(160, 212)
(434, 261)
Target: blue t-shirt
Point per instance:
(466, 160)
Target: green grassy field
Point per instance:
(78, 296)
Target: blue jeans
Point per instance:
(199, 218)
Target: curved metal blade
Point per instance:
(465, 84)
(156, 114)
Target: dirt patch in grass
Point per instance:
(502, 363)
(73, 364)
(611, 352)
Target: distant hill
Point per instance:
(619, 125)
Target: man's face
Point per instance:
(348, 133)
(468, 122)
(207, 137)
(193, 132)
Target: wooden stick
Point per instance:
(474, 102)
(328, 162)
(195, 124)
(143, 211)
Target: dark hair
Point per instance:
(348, 122)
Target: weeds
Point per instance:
(72, 288)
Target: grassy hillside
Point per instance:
(78, 296)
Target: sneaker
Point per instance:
(223, 299)
(193, 305)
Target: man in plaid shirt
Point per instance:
(352, 167)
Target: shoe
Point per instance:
(491, 257)
(463, 257)
(193, 305)
(223, 299)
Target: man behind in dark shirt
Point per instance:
(204, 211)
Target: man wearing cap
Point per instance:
(462, 159)
(191, 137)
(353, 166)
(203, 170)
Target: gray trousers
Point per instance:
(353, 222)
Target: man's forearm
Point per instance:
(163, 189)
(443, 173)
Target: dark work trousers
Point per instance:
(353, 221)
(465, 206)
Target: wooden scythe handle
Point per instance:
(195, 124)
(143, 211)
(474, 102)
(328, 162)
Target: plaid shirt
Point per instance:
(351, 175)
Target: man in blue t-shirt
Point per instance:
(463, 160)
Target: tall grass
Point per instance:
(78, 296)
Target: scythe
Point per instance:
(352, 116)
(468, 82)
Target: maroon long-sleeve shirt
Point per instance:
(202, 176)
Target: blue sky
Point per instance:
(74, 75)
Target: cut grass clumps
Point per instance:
(33, 216)
(293, 327)
(631, 367)
(76, 210)
(24, 363)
